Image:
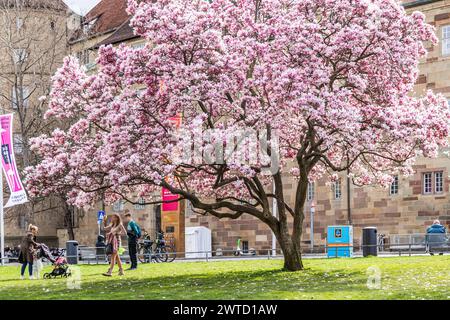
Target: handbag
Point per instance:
(109, 249)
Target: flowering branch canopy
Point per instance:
(331, 79)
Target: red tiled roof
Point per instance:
(123, 33)
(110, 14)
(107, 16)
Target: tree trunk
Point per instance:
(292, 252)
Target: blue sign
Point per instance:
(100, 216)
(340, 241)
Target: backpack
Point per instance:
(139, 232)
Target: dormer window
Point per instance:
(88, 26)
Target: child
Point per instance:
(37, 265)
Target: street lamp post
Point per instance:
(312, 211)
(349, 209)
(274, 213)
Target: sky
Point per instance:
(81, 6)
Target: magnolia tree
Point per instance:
(266, 90)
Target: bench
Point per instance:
(437, 242)
(418, 242)
(407, 242)
(88, 254)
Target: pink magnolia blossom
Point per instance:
(332, 78)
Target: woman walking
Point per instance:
(113, 233)
(27, 250)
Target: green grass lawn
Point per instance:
(422, 277)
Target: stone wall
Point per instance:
(87, 231)
(226, 232)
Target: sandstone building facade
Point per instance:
(408, 206)
(33, 43)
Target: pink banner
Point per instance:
(166, 194)
(169, 196)
(18, 194)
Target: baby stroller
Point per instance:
(60, 266)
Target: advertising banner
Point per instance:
(18, 194)
(169, 196)
(166, 194)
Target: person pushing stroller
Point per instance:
(28, 250)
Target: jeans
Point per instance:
(132, 251)
(30, 268)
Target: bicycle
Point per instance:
(155, 251)
(167, 253)
(145, 252)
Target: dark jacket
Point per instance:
(28, 247)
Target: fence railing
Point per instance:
(395, 245)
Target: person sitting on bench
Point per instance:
(436, 237)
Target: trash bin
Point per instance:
(72, 252)
(100, 246)
(369, 241)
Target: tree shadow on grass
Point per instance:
(264, 284)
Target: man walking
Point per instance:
(134, 233)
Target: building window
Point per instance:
(337, 190)
(140, 205)
(19, 23)
(22, 221)
(427, 183)
(394, 186)
(439, 182)
(138, 45)
(18, 143)
(25, 92)
(20, 55)
(118, 206)
(446, 40)
(84, 57)
(433, 182)
(310, 191)
(88, 27)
